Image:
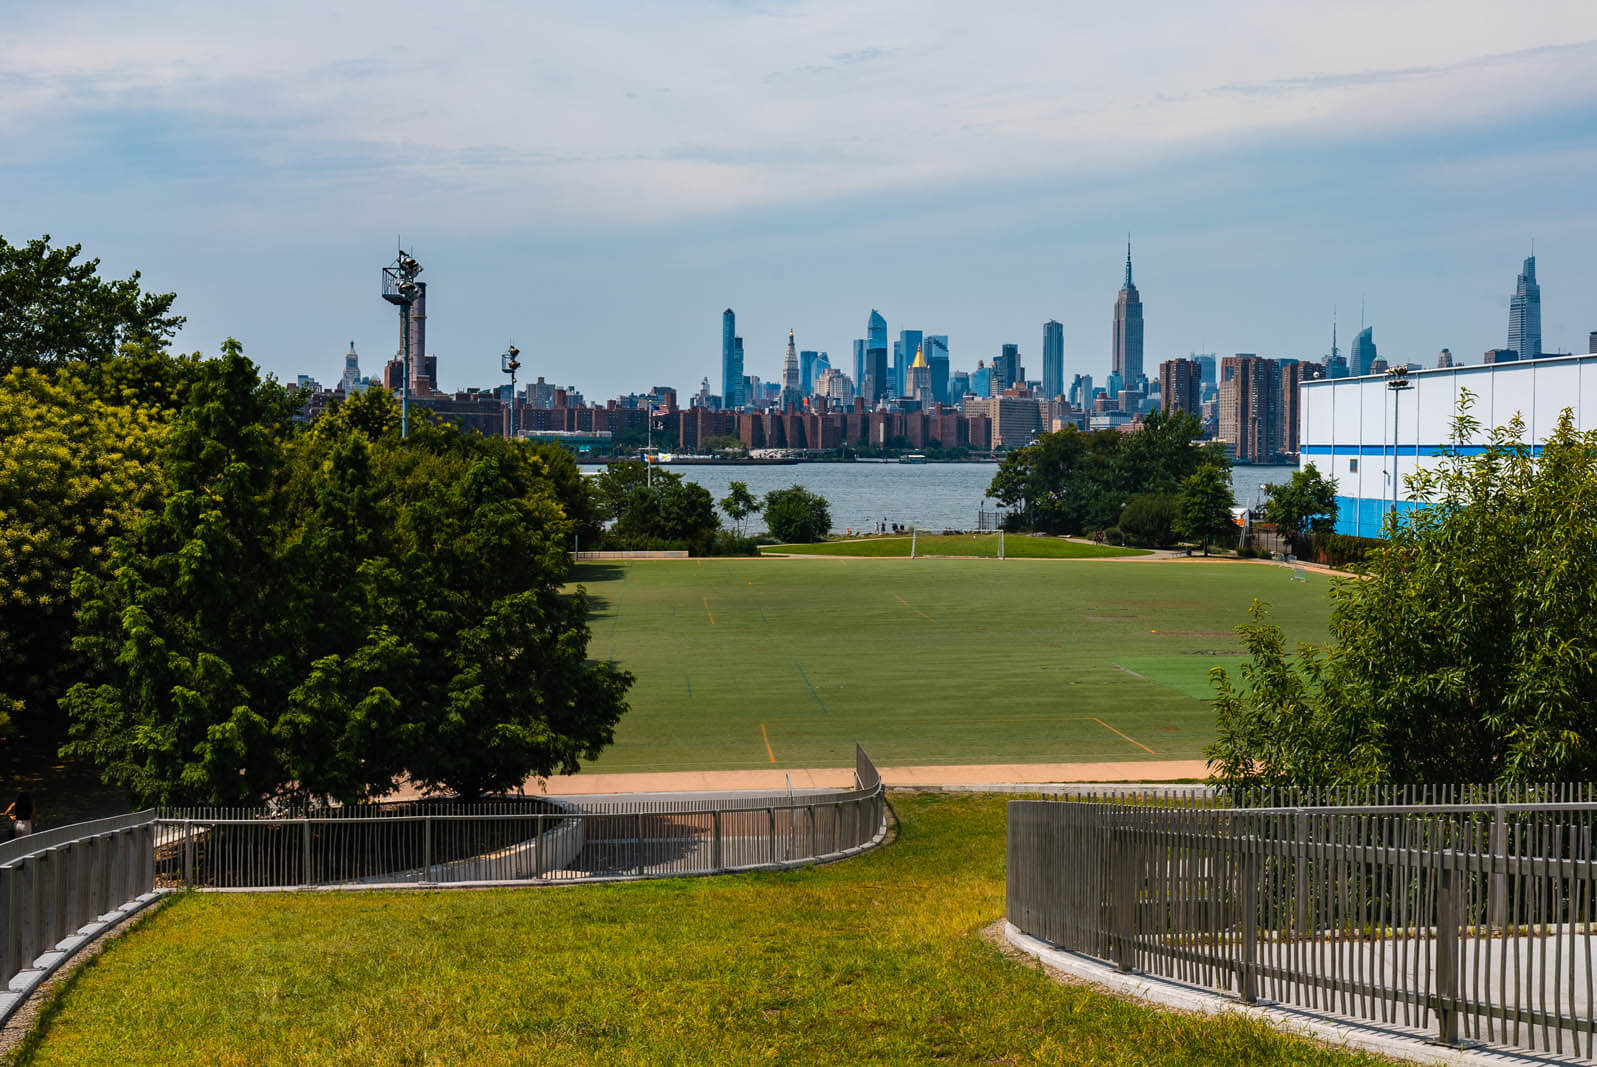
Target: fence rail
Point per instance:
(1471, 920)
(57, 889)
(517, 839)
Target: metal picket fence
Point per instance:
(517, 839)
(1470, 917)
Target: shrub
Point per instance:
(796, 515)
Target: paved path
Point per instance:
(843, 777)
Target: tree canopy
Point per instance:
(797, 516)
(1303, 505)
(56, 310)
(1467, 650)
(1069, 482)
(1204, 506)
(316, 613)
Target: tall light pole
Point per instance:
(510, 364)
(399, 287)
(1396, 381)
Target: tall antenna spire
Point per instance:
(1361, 311)
(1333, 331)
(1128, 284)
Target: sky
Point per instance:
(595, 183)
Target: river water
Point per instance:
(930, 496)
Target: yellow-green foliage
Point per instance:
(77, 464)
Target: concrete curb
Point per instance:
(24, 982)
(1356, 1035)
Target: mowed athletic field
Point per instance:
(749, 663)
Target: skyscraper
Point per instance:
(1007, 370)
(937, 356)
(740, 389)
(351, 382)
(1250, 407)
(1525, 313)
(1363, 356)
(876, 384)
(1128, 330)
(920, 378)
(731, 372)
(1181, 386)
(859, 362)
(792, 395)
(807, 371)
(1053, 359)
(909, 342)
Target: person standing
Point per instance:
(21, 814)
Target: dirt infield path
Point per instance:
(843, 777)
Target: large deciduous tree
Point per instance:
(1068, 482)
(1203, 507)
(797, 516)
(1303, 505)
(1467, 651)
(316, 614)
(78, 464)
(55, 309)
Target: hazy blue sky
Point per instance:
(597, 182)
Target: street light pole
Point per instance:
(509, 364)
(1396, 381)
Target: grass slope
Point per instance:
(925, 661)
(981, 546)
(873, 960)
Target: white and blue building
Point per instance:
(1346, 425)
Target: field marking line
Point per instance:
(688, 680)
(767, 739)
(913, 608)
(1133, 673)
(811, 688)
(707, 610)
(1117, 733)
(901, 600)
(923, 615)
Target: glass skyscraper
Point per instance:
(937, 356)
(1525, 314)
(1053, 359)
(875, 384)
(1363, 354)
(731, 366)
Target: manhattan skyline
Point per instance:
(598, 196)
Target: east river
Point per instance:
(930, 496)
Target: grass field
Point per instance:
(872, 960)
(750, 663)
(980, 546)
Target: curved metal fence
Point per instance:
(542, 839)
(1472, 921)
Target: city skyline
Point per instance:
(795, 163)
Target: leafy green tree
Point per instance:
(314, 614)
(1203, 507)
(739, 504)
(797, 516)
(187, 630)
(1467, 651)
(655, 510)
(1068, 481)
(1302, 506)
(55, 311)
(78, 466)
(1150, 520)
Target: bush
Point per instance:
(1113, 536)
(1150, 520)
(797, 516)
(1339, 550)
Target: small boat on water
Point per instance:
(913, 457)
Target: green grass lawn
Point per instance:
(872, 960)
(981, 546)
(749, 663)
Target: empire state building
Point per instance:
(1128, 330)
